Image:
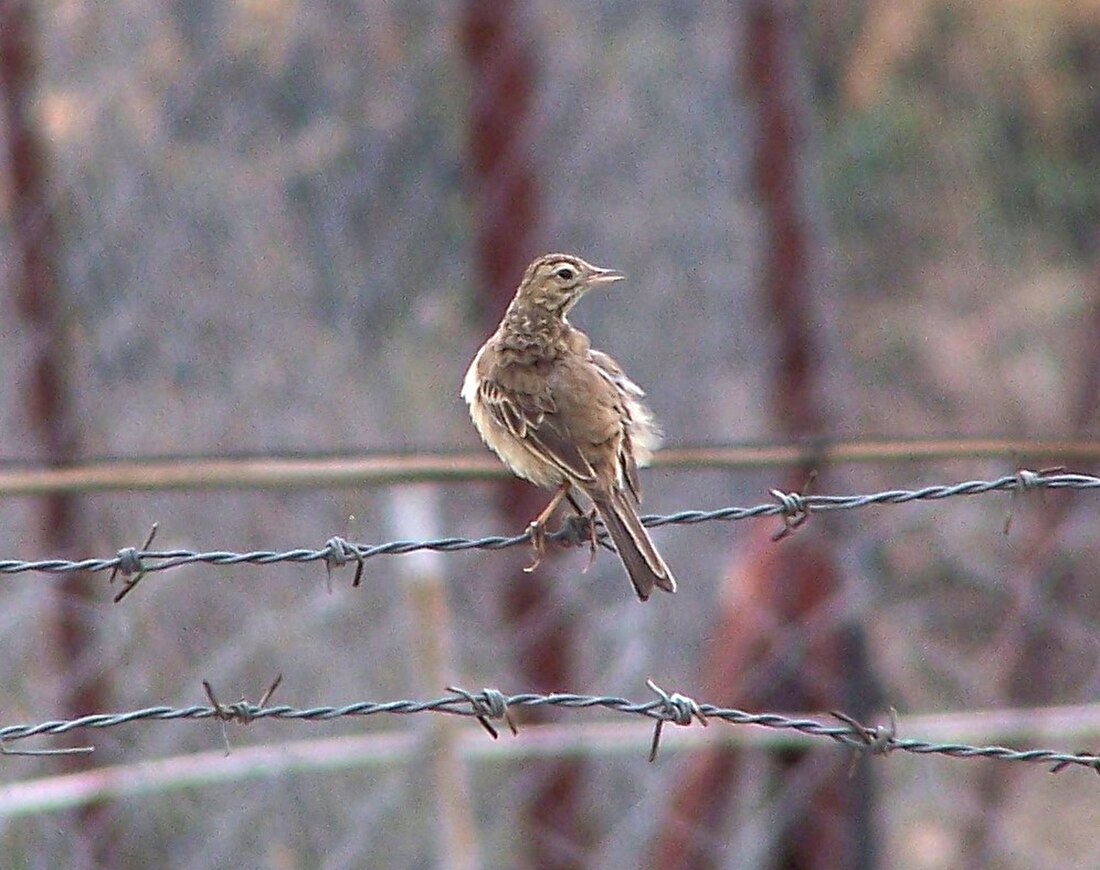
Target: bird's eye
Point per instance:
(565, 273)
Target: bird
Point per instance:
(564, 415)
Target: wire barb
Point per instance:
(676, 708)
(488, 704)
(794, 507)
(1025, 480)
(793, 510)
(338, 553)
(876, 740)
(243, 711)
(130, 565)
(1088, 759)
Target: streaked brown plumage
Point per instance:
(561, 414)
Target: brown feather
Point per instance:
(643, 563)
(557, 411)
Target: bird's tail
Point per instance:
(643, 563)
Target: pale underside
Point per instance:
(530, 434)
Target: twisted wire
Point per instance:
(337, 551)
(491, 703)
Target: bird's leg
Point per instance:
(587, 520)
(535, 528)
(593, 540)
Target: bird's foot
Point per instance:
(536, 529)
(579, 530)
(537, 533)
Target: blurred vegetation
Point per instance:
(988, 112)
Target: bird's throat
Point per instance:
(527, 326)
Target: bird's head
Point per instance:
(555, 282)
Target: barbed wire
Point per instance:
(488, 705)
(793, 507)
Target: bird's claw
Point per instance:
(580, 528)
(593, 539)
(538, 543)
(576, 531)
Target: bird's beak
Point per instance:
(605, 276)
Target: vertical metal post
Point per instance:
(44, 381)
(500, 54)
(822, 818)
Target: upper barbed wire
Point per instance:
(337, 551)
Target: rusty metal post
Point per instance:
(44, 381)
(779, 587)
(500, 56)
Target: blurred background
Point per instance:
(276, 228)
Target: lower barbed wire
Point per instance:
(491, 703)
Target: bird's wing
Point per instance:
(614, 373)
(534, 421)
(640, 430)
(643, 432)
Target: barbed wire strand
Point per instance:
(793, 507)
(490, 703)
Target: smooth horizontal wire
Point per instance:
(190, 473)
(481, 705)
(339, 552)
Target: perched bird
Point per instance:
(561, 414)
